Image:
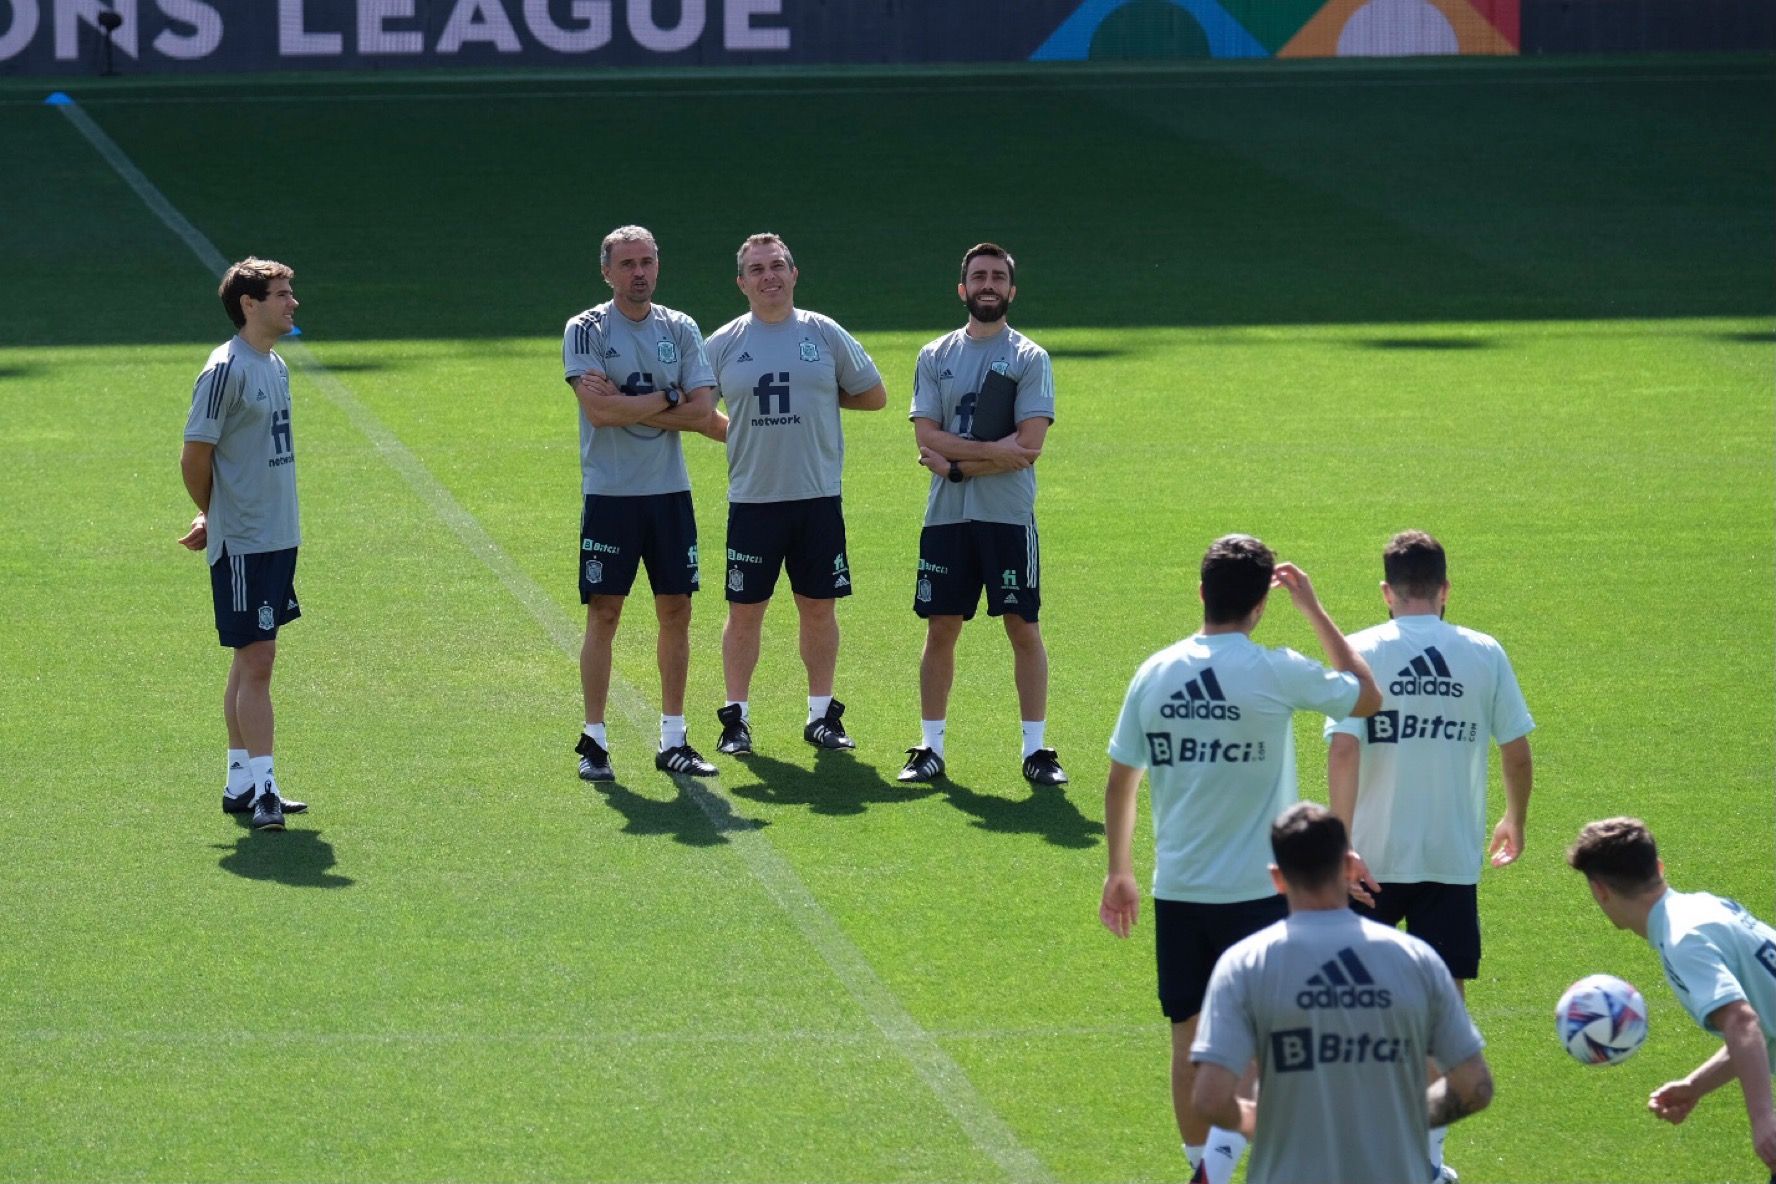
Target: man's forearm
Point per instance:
(1342, 767)
(1119, 818)
(198, 473)
(1749, 1061)
(1519, 773)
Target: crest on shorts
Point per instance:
(924, 592)
(594, 571)
(736, 580)
(810, 352)
(997, 367)
(267, 618)
(667, 351)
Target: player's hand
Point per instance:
(1299, 587)
(1673, 1101)
(1763, 1139)
(1362, 885)
(596, 385)
(936, 462)
(1507, 841)
(1121, 904)
(198, 537)
(1009, 452)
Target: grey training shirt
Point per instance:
(945, 383)
(241, 404)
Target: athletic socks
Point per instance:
(672, 731)
(931, 734)
(1222, 1154)
(1438, 1134)
(240, 776)
(745, 706)
(596, 731)
(1193, 1153)
(817, 705)
(263, 779)
(1033, 733)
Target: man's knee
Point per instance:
(942, 631)
(674, 612)
(602, 614)
(1024, 635)
(256, 660)
(814, 611)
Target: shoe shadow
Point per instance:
(695, 818)
(1046, 812)
(299, 858)
(838, 784)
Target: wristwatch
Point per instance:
(956, 471)
(672, 397)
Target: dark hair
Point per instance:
(1618, 852)
(250, 277)
(1415, 565)
(1235, 577)
(995, 250)
(1309, 843)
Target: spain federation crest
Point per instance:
(810, 352)
(924, 592)
(736, 580)
(667, 351)
(594, 571)
(267, 618)
(998, 367)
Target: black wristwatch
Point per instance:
(956, 471)
(672, 397)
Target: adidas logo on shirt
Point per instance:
(1201, 698)
(1343, 982)
(610, 352)
(745, 356)
(948, 373)
(1427, 674)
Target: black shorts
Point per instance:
(958, 559)
(254, 595)
(1190, 937)
(618, 534)
(1445, 917)
(806, 537)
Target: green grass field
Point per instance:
(1528, 306)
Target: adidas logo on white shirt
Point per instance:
(1201, 698)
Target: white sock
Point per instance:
(672, 731)
(596, 731)
(1223, 1153)
(263, 780)
(1194, 1154)
(1438, 1134)
(1033, 732)
(817, 705)
(240, 780)
(745, 706)
(931, 733)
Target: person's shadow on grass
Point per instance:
(1047, 812)
(299, 858)
(696, 817)
(838, 784)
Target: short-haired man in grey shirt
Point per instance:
(1339, 1013)
(980, 514)
(785, 374)
(642, 379)
(239, 466)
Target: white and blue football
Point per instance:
(1601, 1020)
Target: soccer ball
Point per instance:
(1601, 1020)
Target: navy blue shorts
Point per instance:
(1189, 938)
(805, 537)
(958, 559)
(254, 595)
(619, 534)
(1445, 917)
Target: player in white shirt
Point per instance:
(640, 375)
(784, 375)
(1338, 1013)
(1719, 960)
(239, 466)
(1209, 720)
(1410, 781)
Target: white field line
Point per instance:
(988, 1132)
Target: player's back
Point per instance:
(1704, 940)
(1209, 718)
(1447, 693)
(1345, 1011)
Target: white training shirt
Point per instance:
(1209, 719)
(1714, 953)
(1447, 693)
(1339, 1013)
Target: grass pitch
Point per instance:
(1527, 306)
